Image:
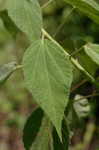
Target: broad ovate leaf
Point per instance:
(26, 14)
(48, 76)
(6, 70)
(88, 7)
(32, 128)
(92, 50)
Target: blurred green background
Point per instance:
(71, 30)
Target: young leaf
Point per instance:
(32, 127)
(6, 70)
(92, 50)
(44, 139)
(88, 7)
(26, 14)
(48, 76)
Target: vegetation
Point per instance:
(51, 49)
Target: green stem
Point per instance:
(78, 85)
(46, 4)
(77, 51)
(79, 67)
(63, 23)
(87, 137)
(74, 61)
(88, 96)
(18, 67)
(50, 38)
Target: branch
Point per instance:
(88, 96)
(74, 61)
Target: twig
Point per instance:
(46, 4)
(61, 25)
(87, 137)
(18, 67)
(73, 61)
(88, 96)
(78, 85)
(77, 51)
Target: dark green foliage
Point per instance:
(65, 136)
(32, 127)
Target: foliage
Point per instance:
(50, 67)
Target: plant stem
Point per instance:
(18, 67)
(77, 51)
(87, 137)
(74, 61)
(62, 24)
(88, 96)
(78, 85)
(46, 4)
(50, 38)
(77, 65)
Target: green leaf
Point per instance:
(81, 106)
(88, 7)
(87, 63)
(32, 127)
(38, 133)
(92, 50)
(48, 140)
(48, 76)
(9, 24)
(26, 14)
(44, 139)
(77, 65)
(6, 70)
